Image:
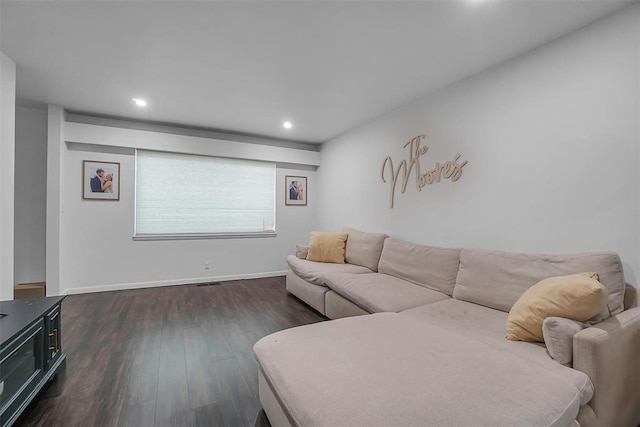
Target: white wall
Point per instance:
(30, 195)
(7, 167)
(95, 237)
(552, 140)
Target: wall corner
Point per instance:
(55, 155)
(7, 173)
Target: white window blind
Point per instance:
(184, 194)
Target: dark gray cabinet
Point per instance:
(30, 354)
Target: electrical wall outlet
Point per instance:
(207, 265)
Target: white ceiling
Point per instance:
(241, 66)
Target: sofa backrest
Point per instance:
(497, 279)
(432, 267)
(363, 248)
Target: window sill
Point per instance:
(199, 236)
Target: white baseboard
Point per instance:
(141, 285)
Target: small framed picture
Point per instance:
(100, 180)
(295, 190)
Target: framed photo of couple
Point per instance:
(100, 180)
(295, 190)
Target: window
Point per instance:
(185, 195)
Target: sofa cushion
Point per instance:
(487, 324)
(364, 248)
(325, 246)
(497, 279)
(338, 306)
(314, 272)
(377, 292)
(576, 296)
(432, 267)
(390, 369)
(473, 319)
(558, 335)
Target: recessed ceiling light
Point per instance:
(139, 102)
(287, 125)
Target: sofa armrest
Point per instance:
(631, 297)
(302, 251)
(609, 353)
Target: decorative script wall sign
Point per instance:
(450, 169)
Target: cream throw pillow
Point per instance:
(327, 247)
(576, 297)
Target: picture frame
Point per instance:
(295, 190)
(100, 180)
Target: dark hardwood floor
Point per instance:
(172, 356)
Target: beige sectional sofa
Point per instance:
(420, 340)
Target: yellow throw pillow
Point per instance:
(327, 247)
(577, 297)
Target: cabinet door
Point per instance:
(54, 337)
(21, 368)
